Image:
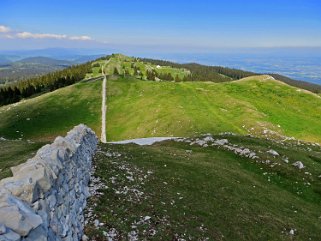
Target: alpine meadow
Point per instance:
(160, 121)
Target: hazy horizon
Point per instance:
(297, 63)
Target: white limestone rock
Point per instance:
(16, 215)
(10, 236)
(38, 234)
(221, 142)
(2, 229)
(298, 164)
(273, 152)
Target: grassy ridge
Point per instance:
(118, 64)
(130, 66)
(142, 109)
(52, 114)
(139, 108)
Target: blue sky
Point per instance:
(173, 25)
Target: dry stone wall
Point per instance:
(45, 198)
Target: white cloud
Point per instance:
(4, 29)
(83, 38)
(28, 35)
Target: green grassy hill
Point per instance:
(129, 66)
(138, 107)
(263, 108)
(46, 116)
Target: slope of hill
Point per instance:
(297, 83)
(196, 189)
(46, 116)
(141, 109)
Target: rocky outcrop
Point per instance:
(45, 198)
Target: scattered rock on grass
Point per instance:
(298, 164)
(273, 152)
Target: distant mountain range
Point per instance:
(55, 53)
(29, 67)
(14, 67)
(43, 61)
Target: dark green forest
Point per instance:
(16, 91)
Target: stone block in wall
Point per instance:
(17, 215)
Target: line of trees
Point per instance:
(297, 83)
(165, 76)
(14, 92)
(152, 75)
(205, 73)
